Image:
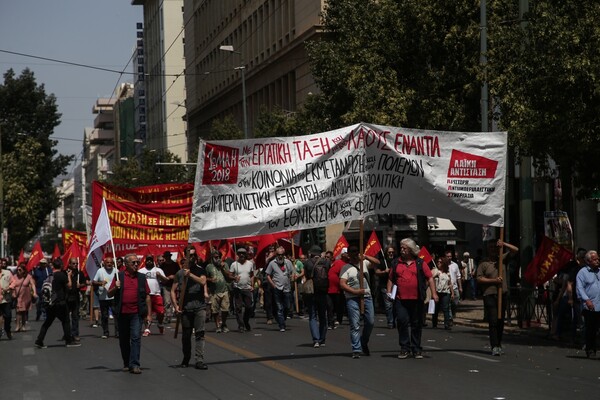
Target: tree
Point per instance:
(30, 161)
(143, 170)
(410, 63)
(545, 80)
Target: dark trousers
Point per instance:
(105, 306)
(409, 315)
(592, 323)
(59, 311)
(444, 305)
(268, 302)
(243, 300)
(335, 308)
(193, 321)
(73, 307)
(130, 339)
(6, 312)
(495, 324)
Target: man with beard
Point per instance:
(280, 273)
(219, 293)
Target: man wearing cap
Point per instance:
(243, 271)
(154, 276)
(219, 294)
(40, 273)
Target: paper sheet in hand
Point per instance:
(431, 308)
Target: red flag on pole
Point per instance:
(56, 252)
(425, 256)
(72, 252)
(341, 243)
(373, 246)
(549, 259)
(202, 250)
(36, 255)
(21, 257)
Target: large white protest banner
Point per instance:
(260, 186)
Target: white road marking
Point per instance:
(30, 371)
(460, 353)
(32, 396)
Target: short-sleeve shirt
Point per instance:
(5, 278)
(489, 269)
(334, 276)
(406, 278)
(193, 298)
(220, 284)
(151, 278)
(245, 271)
(104, 276)
(60, 282)
(280, 274)
(349, 272)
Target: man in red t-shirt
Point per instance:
(132, 296)
(411, 276)
(336, 301)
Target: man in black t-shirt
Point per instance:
(61, 283)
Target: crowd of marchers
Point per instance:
(137, 296)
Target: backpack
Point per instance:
(319, 277)
(48, 294)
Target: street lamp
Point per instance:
(1, 199)
(242, 68)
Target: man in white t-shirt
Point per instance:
(102, 281)
(456, 283)
(154, 276)
(350, 285)
(243, 271)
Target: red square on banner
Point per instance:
(220, 165)
(465, 165)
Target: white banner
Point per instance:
(260, 186)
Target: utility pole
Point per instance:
(1, 198)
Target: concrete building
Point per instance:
(162, 70)
(266, 38)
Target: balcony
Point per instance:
(101, 136)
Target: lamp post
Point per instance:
(242, 68)
(1, 199)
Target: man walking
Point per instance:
(154, 276)
(133, 305)
(219, 293)
(316, 273)
(193, 311)
(457, 288)
(280, 273)
(102, 281)
(5, 297)
(61, 283)
(40, 273)
(588, 291)
(243, 271)
(411, 277)
(73, 293)
(350, 276)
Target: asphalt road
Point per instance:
(268, 364)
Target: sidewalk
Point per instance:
(470, 313)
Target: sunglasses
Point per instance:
(135, 262)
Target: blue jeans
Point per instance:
(317, 316)
(353, 306)
(282, 301)
(130, 339)
(409, 314)
(444, 305)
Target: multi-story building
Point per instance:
(265, 38)
(163, 71)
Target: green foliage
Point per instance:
(143, 171)
(30, 161)
(224, 129)
(409, 63)
(544, 78)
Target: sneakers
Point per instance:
(365, 350)
(104, 336)
(74, 344)
(225, 329)
(135, 370)
(316, 345)
(218, 330)
(496, 351)
(418, 355)
(248, 327)
(322, 344)
(356, 355)
(282, 330)
(403, 355)
(146, 332)
(40, 345)
(201, 365)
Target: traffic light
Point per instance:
(321, 236)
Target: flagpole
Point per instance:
(500, 273)
(295, 280)
(112, 243)
(360, 265)
(182, 290)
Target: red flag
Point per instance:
(549, 259)
(56, 252)
(263, 248)
(225, 249)
(21, 257)
(373, 246)
(341, 243)
(201, 250)
(73, 252)
(36, 255)
(424, 255)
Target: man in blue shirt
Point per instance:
(588, 290)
